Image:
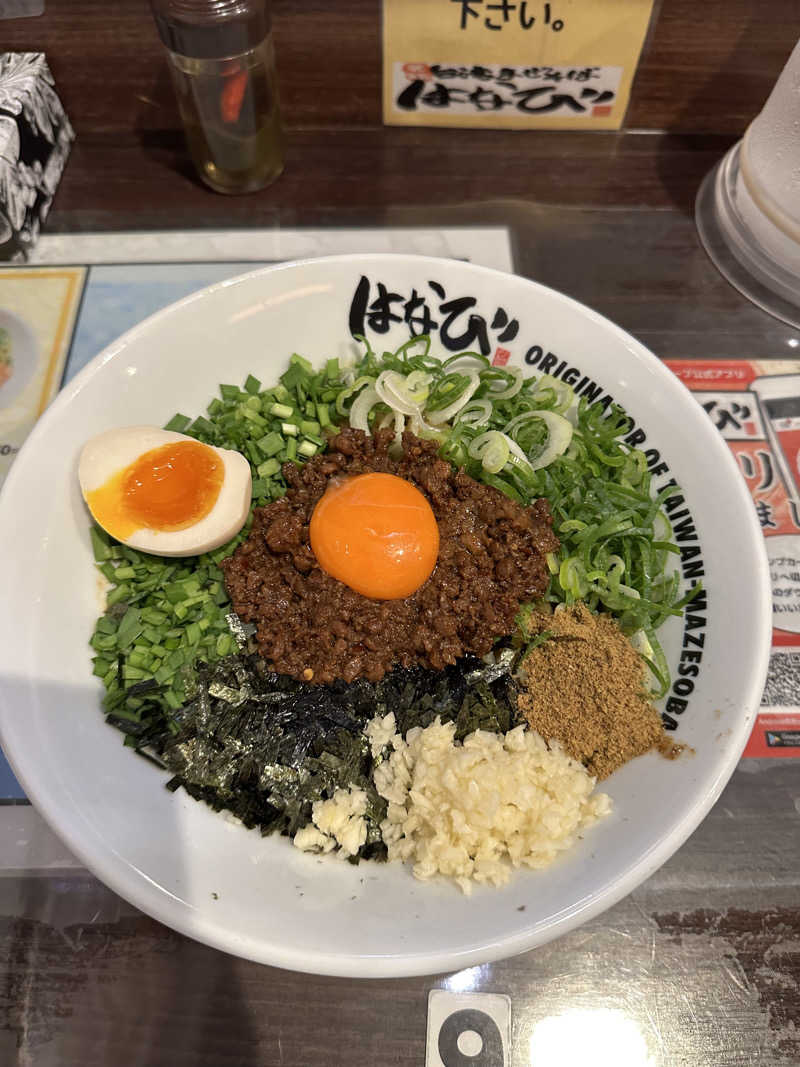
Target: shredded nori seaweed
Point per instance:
(265, 747)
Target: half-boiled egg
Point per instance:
(163, 492)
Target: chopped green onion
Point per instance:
(350, 391)
(100, 545)
(476, 412)
(444, 414)
(270, 444)
(510, 380)
(323, 415)
(492, 450)
(178, 423)
(204, 427)
(362, 406)
(129, 628)
(268, 468)
(558, 439)
(246, 411)
(118, 595)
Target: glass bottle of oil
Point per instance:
(223, 68)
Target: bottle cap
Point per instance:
(211, 29)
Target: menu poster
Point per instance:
(530, 64)
(37, 313)
(755, 405)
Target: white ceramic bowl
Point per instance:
(207, 876)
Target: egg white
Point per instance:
(109, 452)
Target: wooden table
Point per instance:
(703, 960)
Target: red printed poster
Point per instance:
(755, 405)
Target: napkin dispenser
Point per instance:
(35, 139)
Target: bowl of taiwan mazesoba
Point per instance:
(377, 615)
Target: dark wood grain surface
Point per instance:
(346, 177)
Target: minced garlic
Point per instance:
(475, 811)
(338, 822)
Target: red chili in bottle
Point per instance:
(223, 69)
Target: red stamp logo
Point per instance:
(417, 70)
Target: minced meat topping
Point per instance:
(313, 627)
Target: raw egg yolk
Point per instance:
(168, 488)
(377, 534)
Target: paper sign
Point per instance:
(37, 312)
(530, 64)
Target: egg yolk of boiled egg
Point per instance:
(377, 534)
(167, 488)
(163, 492)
